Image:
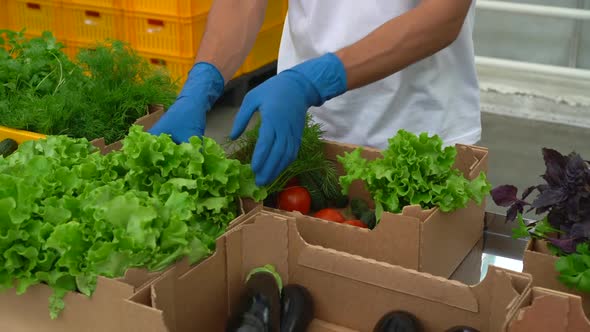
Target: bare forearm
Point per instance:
(402, 41)
(232, 27)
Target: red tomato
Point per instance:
(295, 199)
(294, 182)
(357, 223)
(330, 215)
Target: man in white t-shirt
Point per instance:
(363, 68)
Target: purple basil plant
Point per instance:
(564, 199)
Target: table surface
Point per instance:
(495, 247)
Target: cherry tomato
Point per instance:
(294, 182)
(357, 223)
(330, 215)
(295, 199)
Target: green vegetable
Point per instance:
(259, 305)
(413, 170)
(69, 214)
(318, 198)
(358, 207)
(311, 167)
(369, 218)
(7, 147)
(574, 269)
(101, 95)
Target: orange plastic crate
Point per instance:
(87, 24)
(36, 16)
(4, 14)
(177, 67)
(115, 4)
(165, 35)
(276, 11)
(178, 8)
(265, 50)
(73, 48)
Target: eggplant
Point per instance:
(398, 321)
(296, 309)
(462, 329)
(259, 307)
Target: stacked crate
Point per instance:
(166, 33)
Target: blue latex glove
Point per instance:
(187, 116)
(283, 101)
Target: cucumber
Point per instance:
(369, 218)
(340, 202)
(7, 147)
(358, 207)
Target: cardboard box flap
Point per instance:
(138, 277)
(258, 249)
(113, 287)
(504, 288)
(417, 212)
(550, 311)
(384, 275)
(466, 159)
(388, 236)
(253, 245)
(334, 149)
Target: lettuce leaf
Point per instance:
(413, 170)
(69, 214)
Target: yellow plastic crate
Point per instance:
(115, 4)
(165, 35)
(265, 50)
(73, 48)
(88, 24)
(19, 135)
(178, 8)
(4, 14)
(34, 15)
(177, 67)
(276, 11)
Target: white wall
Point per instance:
(531, 38)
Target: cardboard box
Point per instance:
(29, 312)
(542, 309)
(540, 264)
(351, 293)
(110, 309)
(425, 240)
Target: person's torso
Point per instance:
(438, 95)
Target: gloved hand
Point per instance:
(283, 101)
(187, 116)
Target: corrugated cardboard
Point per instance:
(540, 263)
(544, 310)
(105, 310)
(425, 240)
(351, 293)
(113, 307)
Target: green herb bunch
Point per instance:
(100, 95)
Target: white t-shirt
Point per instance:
(438, 95)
